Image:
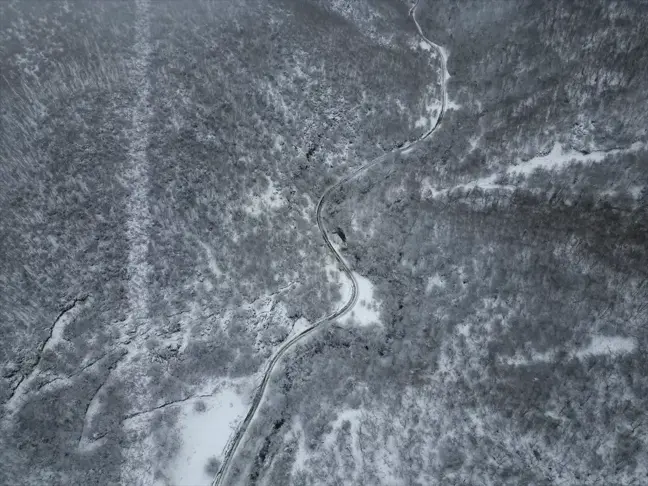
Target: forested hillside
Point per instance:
(160, 166)
(509, 259)
(160, 162)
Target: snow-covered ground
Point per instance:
(51, 344)
(203, 425)
(425, 46)
(350, 415)
(600, 345)
(609, 345)
(453, 105)
(367, 310)
(269, 199)
(138, 222)
(334, 274)
(297, 432)
(432, 105)
(485, 183)
(435, 281)
(300, 325)
(139, 219)
(432, 112)
(557, 159)
(353, 416)
(204, 434)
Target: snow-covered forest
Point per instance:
(160, 167)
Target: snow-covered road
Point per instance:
(237, 438)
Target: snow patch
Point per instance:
(351, 415)
(484, 183)
(138, 221)
(355, 226)
(297, 432)
(433, 109)
(366, 311)
(55, 340)
(300, 325)
(401, 106)
(422, 122)
(559, 157)
(205, 434)
(388, 461)
(451, 105)
(600, 345)
(335, 275)
(211, 260)
(635, 191)
(610, 345)
(139, 457)
(407, 149)
(463, 329)
(269, 199)
(330, 444)
(427, 191)
(276, 97)
(203, 426)
(535, 358)
(434, 281)
(279, 142)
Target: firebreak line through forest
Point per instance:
(237, 438)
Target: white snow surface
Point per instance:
(485, 183)
(557, 159)
(452, 105)
(22, 390)
(422, 122)
(211, 259)
(428, 191)
(350, 415)
(334, 274)
(269, 199)
(600, 345)
(139, 218)
(300, 325)
(610, 345)
(139, 215)
(301, 456)
(408, 150)
(366, 311)
(205, 435)
(433, 110)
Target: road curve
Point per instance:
(234, 442)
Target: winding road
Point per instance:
(235, 441)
